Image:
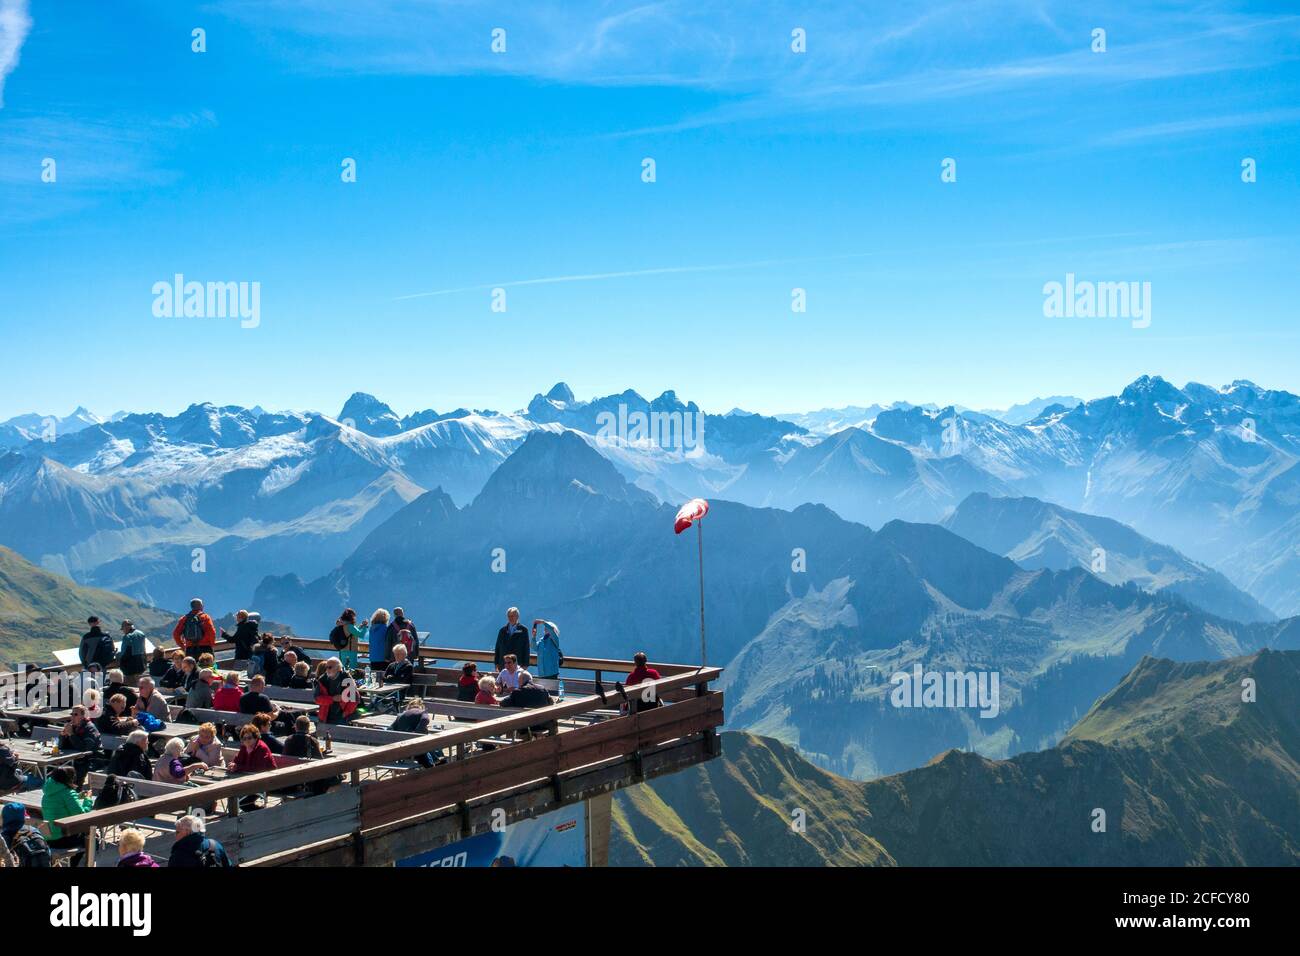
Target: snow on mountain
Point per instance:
(1028, 411)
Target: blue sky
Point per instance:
(775, 170)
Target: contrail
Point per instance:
(723, 267)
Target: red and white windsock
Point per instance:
(691, 512)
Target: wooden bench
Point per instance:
(107, 742)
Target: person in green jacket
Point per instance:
(60, 798)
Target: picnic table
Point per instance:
(39, 759)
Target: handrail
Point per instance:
(323, 769)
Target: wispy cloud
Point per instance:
(15, 24)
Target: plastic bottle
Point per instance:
(559, 689)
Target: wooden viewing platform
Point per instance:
(385, 810)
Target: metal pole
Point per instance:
(700, 538)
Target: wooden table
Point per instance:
(40, 760)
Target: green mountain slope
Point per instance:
(1185, 770)
(41, 611)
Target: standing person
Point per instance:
(131, 656)
(549, 656)
(402, 623)
(96, 648)
(513, 639)
(380, 643)
(245, 638)
(195, 633)
(346, 637)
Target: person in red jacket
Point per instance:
(228, 694)
(195, 633)
(640, 671)
(254, 755)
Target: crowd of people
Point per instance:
(130, 704)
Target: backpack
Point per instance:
(408, 638)
(30, 847)
(208, 858)
(150, 722)
(193, 629)
(105, 651)
(339, 638)
(114, 792)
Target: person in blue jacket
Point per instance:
(547, 649)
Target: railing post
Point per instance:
(90, 846)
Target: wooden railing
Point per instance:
(474, 775)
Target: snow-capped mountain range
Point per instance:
(140, 502)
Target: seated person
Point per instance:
(284, 673)
(508, 676)
(170, 768)
(336, 693)
(174, 676)
(529, 694)
(301, 679)
(265, 659)
(117, 685)
(158, 663)
(255, 701)
(228, 695)
(130, 850)
(79, 735)
(200, 694)
(253, 755)
(287, 646)
(415, 720)
(116, 719)
(150, 701)
(400, 670)
(486, 691)
(193, 845)
(205, 748)
(467, 685)
(132, 758)
(206, 662)
(301, 743)
(189, 673)
(263, 724)
(60, 797)
(24, 841)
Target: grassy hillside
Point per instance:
(41, 611)
(1186, 772)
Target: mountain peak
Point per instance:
(369, 415)
(553, 465)
(560, 392)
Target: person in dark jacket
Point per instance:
(263, 724)
(402, 623)
(193, 845)
(117, 685)
(132, 758)
(513, 639)
(246, 637)
(284, 673)
(23, 840)
(158, 664)
(301, 743)
(255, 700)
(268, 657)
(415, 720)
(116, 720)
(400, 670)
(301, 679)
(288, 646)
(531, 695)
(174, 676)
(79, 735)
(467, 685)
(96, 646)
